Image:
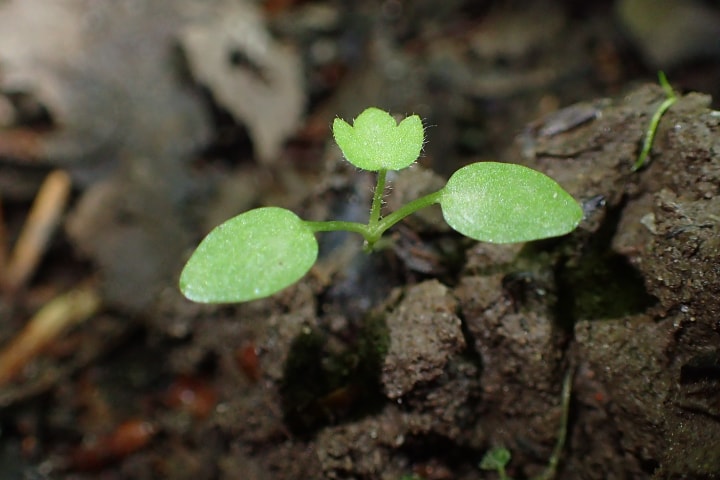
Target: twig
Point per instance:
(50, 321)
(3, 242)
(44, 216)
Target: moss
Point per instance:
(324, 386)
(603, 286)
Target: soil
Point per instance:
(412, 362)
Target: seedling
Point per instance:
(497, 458)
(262, 251)
(670, 98)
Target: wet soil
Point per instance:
(413, 362)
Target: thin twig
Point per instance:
(3, 242)
(44, 217)
(49, 322)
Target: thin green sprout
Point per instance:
(551, 469)
(671, 98)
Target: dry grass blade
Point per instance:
(50, 321)
(38, 229)
(3, 241)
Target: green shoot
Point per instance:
(670, 98)
(496, 459)
(551, 469)
(262, 251)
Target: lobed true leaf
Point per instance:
(376, 141)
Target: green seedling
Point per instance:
(497, 458)
(264, 250)
(670, 98)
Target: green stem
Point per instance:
(551, 469)
(377, 199)
(373, 231)
(335, 225)
(503, 473)
(405, 210)
(655, 121)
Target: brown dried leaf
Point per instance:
(258, 80)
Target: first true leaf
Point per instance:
(250, 256)
(376, 141)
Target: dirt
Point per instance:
(638, 350)
(411, 362)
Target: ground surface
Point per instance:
(144, 123)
